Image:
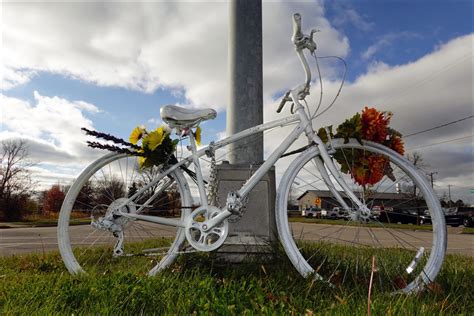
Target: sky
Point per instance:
(111, 65)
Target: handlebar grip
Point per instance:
(282, 104)
(297, 35)
(283, 101)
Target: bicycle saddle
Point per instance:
(176, 116)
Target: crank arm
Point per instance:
(217, 220)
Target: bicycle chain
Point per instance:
(213, 196)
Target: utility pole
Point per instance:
(431, 177)
(449, 195)
(251, 233)
(245, 108)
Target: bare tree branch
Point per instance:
(15, 178)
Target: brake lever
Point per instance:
(311, 44)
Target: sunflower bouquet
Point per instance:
(152, 148)
(366, 168)
(156, 146)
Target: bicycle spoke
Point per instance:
(342, 252)
(104, 239)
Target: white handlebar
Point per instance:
(301, 42)
(297, 35)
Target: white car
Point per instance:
(311, 212)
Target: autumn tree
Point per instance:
(53, 200)
(15, 180)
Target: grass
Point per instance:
(46, 223)
(372, 224)
(468, 230)
(38, 220)
(199, 284)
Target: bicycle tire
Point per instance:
(345, 258)
(90, 196)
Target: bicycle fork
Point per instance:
(323, 161)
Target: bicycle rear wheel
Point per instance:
(92, 238)
(340, 249)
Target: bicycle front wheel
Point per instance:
(92, 237)
(341, 247)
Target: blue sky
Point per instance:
(112, 65)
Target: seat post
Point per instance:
(197, 165)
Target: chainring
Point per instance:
(208, 240)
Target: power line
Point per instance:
(439, 126)
(442, 142)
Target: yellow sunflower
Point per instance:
(136, 134)
(141, 161)
(198, 136)
(155, 138)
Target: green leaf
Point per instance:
(323, 135)
(350, 128)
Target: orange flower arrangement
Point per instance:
(367, 168)
(375, 124)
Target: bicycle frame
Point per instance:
(304, 125)
(324, 160)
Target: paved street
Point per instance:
(43, 239)
(457, 243)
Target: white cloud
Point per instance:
(11, 78)
(350, 16)
(50, 127)
(146, 46)
(47, 176)
(154, 122)
(431, 91)
(385, 41)
(150, 45)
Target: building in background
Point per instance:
(326, 201)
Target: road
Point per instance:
(457, 243)
(43, 239)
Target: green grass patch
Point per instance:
(45, 223)
(352, 223)
(468, 230)
(198, 283)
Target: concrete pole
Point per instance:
(245, 108)
(254, 232)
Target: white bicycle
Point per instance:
(133, 214)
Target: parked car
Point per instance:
(464, 215)
(311, 212)
(329, 214)
(467, 214)
(340, 213)
(401, 216)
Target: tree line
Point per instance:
(20, 199)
